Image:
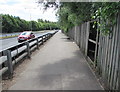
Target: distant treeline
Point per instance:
(15, 24)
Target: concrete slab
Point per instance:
(59, 65)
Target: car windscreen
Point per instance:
(25, 33)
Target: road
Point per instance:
(5, 43)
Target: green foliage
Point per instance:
(107, 14)
(82, 12)
(75, 13)
(15, 24)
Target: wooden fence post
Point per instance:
(87, 37)
(119, 55)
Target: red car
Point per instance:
(25, 36)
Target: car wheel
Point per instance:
(19, 41)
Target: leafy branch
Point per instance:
(75, 13)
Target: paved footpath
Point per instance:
(59, 65)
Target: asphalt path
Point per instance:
(6, 43)
(61, 68)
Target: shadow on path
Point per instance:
(68, 74)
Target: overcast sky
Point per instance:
(23, 9)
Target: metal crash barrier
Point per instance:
(11, 56)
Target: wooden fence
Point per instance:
(102, 52)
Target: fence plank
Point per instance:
(108, 61)
(119, 53)
(87, 36)
(115, 58)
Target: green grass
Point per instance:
(8, 37)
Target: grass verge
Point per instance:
(8, 37)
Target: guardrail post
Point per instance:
(28, 49)
(45, 38)
(51, 35)
(37, 43)
(48, 36)
(9, 63)
(42, 40)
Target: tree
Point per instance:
(75, 13)
(15, 24)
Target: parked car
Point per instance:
(25, 36)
